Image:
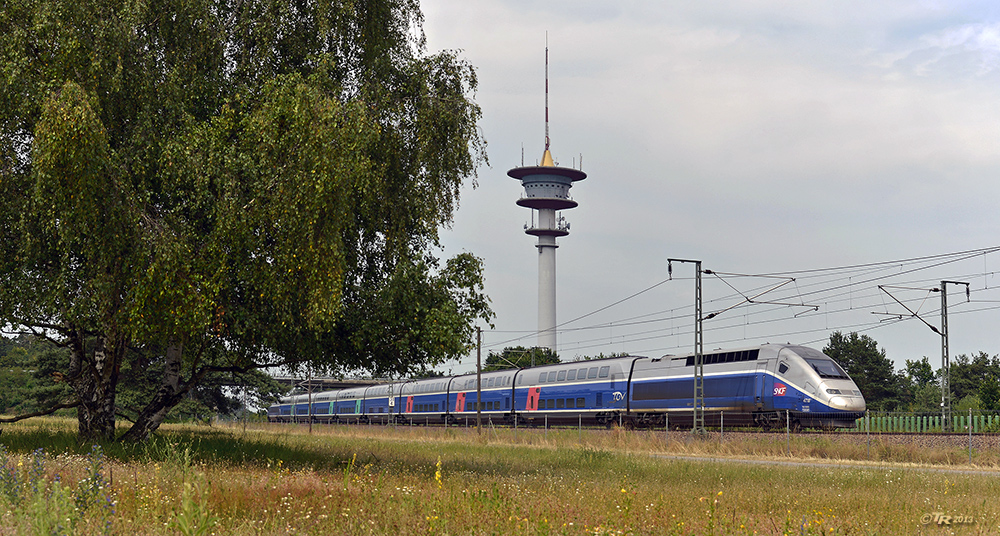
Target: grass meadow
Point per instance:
(280, 479)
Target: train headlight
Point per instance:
(833, 391)
(838, 401)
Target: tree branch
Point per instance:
(41, 413)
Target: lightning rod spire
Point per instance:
(546, 91)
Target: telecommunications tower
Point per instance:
(546, 190)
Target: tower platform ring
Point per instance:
(535, 231)
(555, 203)
(570, 173)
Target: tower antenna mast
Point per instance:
(546, 91)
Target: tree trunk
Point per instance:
(94, 378)
(170, 393)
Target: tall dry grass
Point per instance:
(406, 481)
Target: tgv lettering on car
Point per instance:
(779, 389)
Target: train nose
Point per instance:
(848, 403)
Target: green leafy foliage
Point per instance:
(196, 188)
(27, 365)
(919, 373)
(989, 394)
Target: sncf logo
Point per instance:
(779, 389)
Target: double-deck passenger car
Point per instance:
(765, 385)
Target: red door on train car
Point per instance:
(534, 394)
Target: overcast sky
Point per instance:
(755, 136)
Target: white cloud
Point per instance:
(760, 135)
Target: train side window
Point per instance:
(520, 379)
(581, 402)
(550, 403)
(489, 383)
(560, 403)
(571, 375)
(782, 368)
(592, 373)
(506, 402)
(541, 377)
(561, 376)
(605, 371)
(570, 403)
(552, 376)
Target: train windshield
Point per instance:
(827, 368)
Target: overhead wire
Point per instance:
(822, 282)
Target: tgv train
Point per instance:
(761, 386)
